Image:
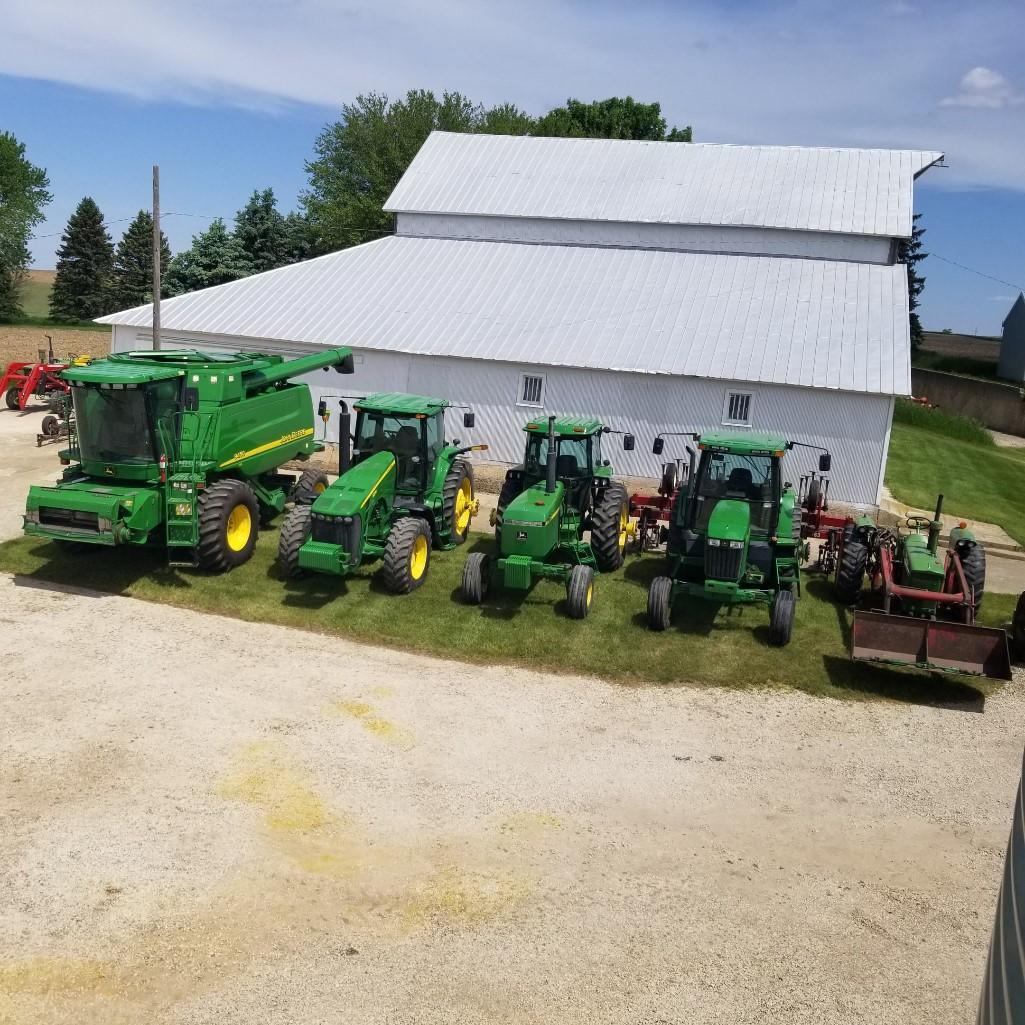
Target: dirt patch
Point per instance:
(967, 346)
(24, 343)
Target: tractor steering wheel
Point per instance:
(919, 522)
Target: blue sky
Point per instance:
(229, 96)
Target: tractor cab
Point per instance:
(578, 458)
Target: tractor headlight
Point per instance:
(714, 542)
(736, 544)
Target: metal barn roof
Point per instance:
(819, 323)
(851, 191)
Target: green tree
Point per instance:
(614, 118)
(85, 260)
(261, 231)
(360, 158)
(299, 238)
(909, 251)
(24, 191)
(214, 258)
(132, 283)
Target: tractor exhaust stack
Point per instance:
(550, 467)
(344, 438)
(936, 526)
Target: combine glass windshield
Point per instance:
(116, 425)
(743, 478)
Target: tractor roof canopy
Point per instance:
(402, 404)
(746, 443)
(566, 425)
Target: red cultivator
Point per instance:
(24, 381)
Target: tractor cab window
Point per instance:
(744, 478)
(573, 457)
(435, 437)
(400, 435)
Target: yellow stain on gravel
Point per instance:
(367, 716)
(466, 898)
(52, 976)
(530, 823)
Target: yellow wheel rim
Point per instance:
(418, 557)
(320, 487)
(464, 506)
(240, 528)
(624, 524)
(590, 594)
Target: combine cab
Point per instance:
(924, 602)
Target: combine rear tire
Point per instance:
(579, 591)
(660, 611)
(407, 555)
(1018, 629)
(229, 515)
(510, 489)
(476, 578)
(457, 499)
(13, 397)
(973, 562)
(310, 484)
(608, 527)
(850, 574)
(295, 532)
(781, 618)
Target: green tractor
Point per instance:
(562, 490)
(401, 491)
(181, 447)
(734, 533)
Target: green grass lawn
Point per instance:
(967, 366)
(532, 630)
(932, 452)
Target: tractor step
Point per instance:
(936, 644)
(185, 558)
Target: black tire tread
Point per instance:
(1018, 629)
(580, 578)
(458, 471)
(850, 573)
(605, 527)
(781, 618)
(12, 396)
(295, 532)
(304, 491)
(476, 572)
(395, 564)
(215, 502)
(973, 562)
(510, 490)
(659, 603)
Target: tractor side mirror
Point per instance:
(628, 442)
(468, 420)
(347, 366)
(657, 445)
(824, 462)
(190, 400)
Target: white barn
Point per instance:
(1011, 365)
(662, 286)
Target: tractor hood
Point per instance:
(534, 507)
(730, 520)
(352, 493)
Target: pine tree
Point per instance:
(909, 251)
(214, 258)
(132, 284)
(260, 230)
(299, 241)
(85, 261)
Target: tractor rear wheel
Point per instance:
(476, 578)
(1018, 629)
(660, 610)
(311, 483)
(850, 574)
(229, 517)
(13, 397)
(407, 555)
(973, 562)
(670, 478)
(510, 490)
(457, 501)
(609, 523)
(781, 618)
(295, 532)
(579, 591)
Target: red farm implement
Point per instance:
(23, 381)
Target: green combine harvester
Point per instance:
(734, 534)
(924, 601)
(401, 491)
(183, 448)
(562, 490)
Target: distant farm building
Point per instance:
(664, 286)
(1011, 366)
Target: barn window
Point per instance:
(532, 390)
(737, 409)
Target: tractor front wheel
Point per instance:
(309, 486)
(229, 517)
(295, 532)
(13, 397)
(609, 528)
(781, 618)
(850, 574)
(407, 555)
(579, 591)
(973, 562)
(476, 578)
(457, 499)
(660, 611)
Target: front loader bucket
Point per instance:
(930, 644)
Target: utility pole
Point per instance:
(156, 257)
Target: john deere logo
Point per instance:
(109, 469)
(521, 535)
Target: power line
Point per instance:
(972, 270)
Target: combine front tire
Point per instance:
(660, 611)
(781, 618)
(579, 591)
(850, 574)
(310, 484)
(295, 532)
(973, 562)
(407, 555)
(229, 515)
(609, 523)
(457, 498)
(476, 578)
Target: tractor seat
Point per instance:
(404, 447)
(739, 483)
(566, 466)
(567, 469)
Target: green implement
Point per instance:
(401, 491)
(562, 491)
(181, 447)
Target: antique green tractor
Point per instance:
(182, 447)
(563, 490)
(401, 491)
(924, 601)
(734, 533)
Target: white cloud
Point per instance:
(984, 87)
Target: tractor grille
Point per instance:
(73, 518)
(334, 530)
(722, 562)
(329, 529)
